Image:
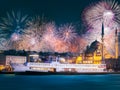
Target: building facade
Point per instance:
(93, 54)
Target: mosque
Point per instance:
(96, 53)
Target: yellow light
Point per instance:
(79, 59)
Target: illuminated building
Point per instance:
(93, 54)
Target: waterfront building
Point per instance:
(93, 54)
(5, 61)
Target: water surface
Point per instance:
(60, 82)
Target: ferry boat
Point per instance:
(56, 67)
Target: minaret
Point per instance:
(102, 38)
(116, 45)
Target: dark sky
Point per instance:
(61, 11)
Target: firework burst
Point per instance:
(11, 28)
(68, 36)
(106, 11)
(13, 23)
(30, 40)
(49, 37)
(67, 33)
(37, 23)
(32, 34)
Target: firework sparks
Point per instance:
(68, 36)
(11, 27)
(103, 11)
(32, 34)
(31, 39)
(37, 23)
(49, 37)
(13, 23)
(67, 33)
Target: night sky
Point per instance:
(60, 11)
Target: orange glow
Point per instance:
(1, 67)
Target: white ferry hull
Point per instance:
(55, 67)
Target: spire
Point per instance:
(102, 34)
(116, 32)
(102, 29)
(116, 45)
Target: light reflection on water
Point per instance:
(60, 82)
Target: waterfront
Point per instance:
(60, 82)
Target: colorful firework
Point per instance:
(32, 34)
(11, 27)
(67, 35)
(49, 38)
(37, 23)
(30, 40)
(38, 38)
(106, 12)
(13, 23)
